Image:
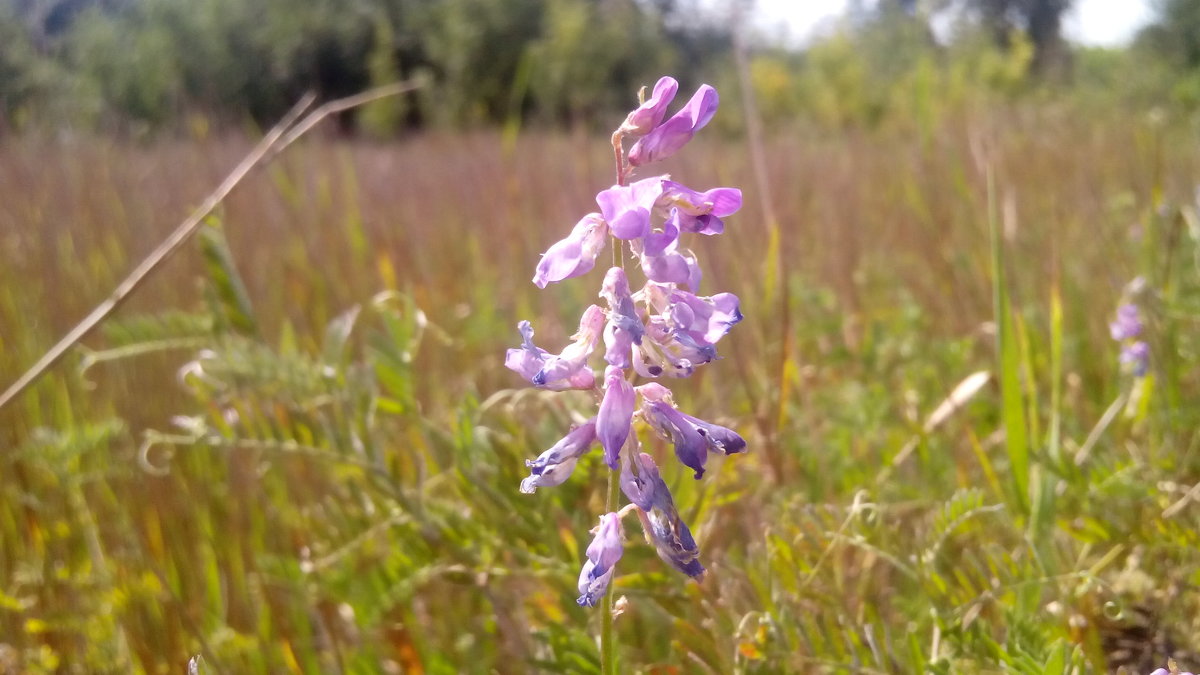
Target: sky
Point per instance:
(1091, 22)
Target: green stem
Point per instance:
(608, 642)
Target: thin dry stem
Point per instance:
(283, 134)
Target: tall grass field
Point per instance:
(296, 449)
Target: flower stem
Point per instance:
(608, 642)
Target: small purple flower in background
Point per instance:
(1128, 324)
(1136, 357)
(1127, 329)
(663, 329)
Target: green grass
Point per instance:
(341, 496)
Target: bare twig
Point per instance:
(290, 128)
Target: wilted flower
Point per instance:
(602, 555)
(555, 465)
(671, 537)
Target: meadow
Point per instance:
(296, 449)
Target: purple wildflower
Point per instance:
(1128, 324)
(1127, 329)
(624, 328)
(667, 138)
(663, 328)
(1136, 357)
(602, 556)
(639, 479)
(555, 465)
(627, 208)
(700, 212)
(693, 438)
(689, 443)
(650, 114)
(567, 370)
(616, 414)
(575, 255)
(662, 262)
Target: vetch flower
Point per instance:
(567, 370)
(667, 138)
(627, 208)
(624, 328)
(650, 114)
(689, 443)
(639, 479)
(555, 465)
(616, 414)
(682, 335)
(662, 329)
(670, 535)
(692, 438)
(602, 556)
(700, 212)
(576, 254)
(662, 262)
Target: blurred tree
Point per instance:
(1039, 20)
(1174, 38)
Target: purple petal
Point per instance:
(618, 346)
(639, 481)
(616, 414)
(699, 212)
(555, 465)
(719, 439)
(624, 327)
(575, 255)
(667, 138)
(650, 114)
(627, 208)
(690, 445)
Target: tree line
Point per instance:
(148, 64)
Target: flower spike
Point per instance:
(662, 329)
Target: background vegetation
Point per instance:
(297, 449)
